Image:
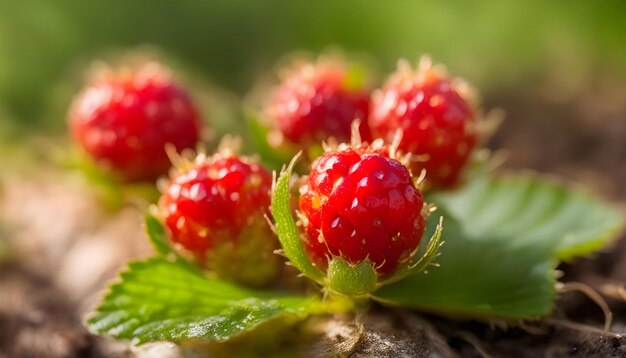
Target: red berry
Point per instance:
(359, 204)
(316, 101)
(124, 120)
(215, 210)
(438, 123)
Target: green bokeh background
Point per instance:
(496, 45)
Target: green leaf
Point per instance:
(504, 238)
(286, 229)
(161, 300)
(156, 235)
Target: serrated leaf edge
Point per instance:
(93, 317)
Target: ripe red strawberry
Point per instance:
(437, 121)
(316, 101)
(124, 120)
(214, 209)
(359, 204)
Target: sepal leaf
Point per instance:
(156, 235)
(412, 268)
(286, 229)
(351, 280)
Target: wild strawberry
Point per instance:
(316, 101)
(437, 121)
(124, 120)
(214, 208)
(360, 208)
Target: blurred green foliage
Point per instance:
(229, 43)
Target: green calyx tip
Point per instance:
(351, 280)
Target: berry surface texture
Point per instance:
(360, 204)
(436, 120)
(214, 210)
(124, 121)
(316, 101)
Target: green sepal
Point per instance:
(351, 280)
(156, 235)
(413, 268)
(286, 229)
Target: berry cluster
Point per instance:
(360, 205)
(431, 110)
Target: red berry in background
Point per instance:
(316, 101)
(437, 122)
(214, 209)
(124, 120)
(359, 204)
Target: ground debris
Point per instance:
(380, 334)
(36, 321)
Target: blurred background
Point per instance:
(499, 47)
(557, 69)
